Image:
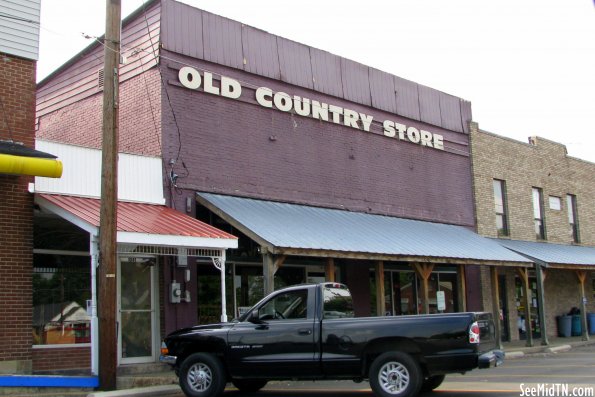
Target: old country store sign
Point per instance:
(230, 88)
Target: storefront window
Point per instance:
(403, 292)
(533, 308)
(248, 286)
(61, 289)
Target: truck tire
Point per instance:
(395, 374)
(202, 375)
(249, 385)
(432, 382)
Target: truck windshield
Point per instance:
(337, 303)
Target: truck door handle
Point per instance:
(304, 331)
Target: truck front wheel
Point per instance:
(202, 375)
(395, 374)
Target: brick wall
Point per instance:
(240, 148)
(17, 92)
(544, 164)
(140, 118)
(59, 359)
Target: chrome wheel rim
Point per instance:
(199, 377)
(393, 377)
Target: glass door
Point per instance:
(137, 315)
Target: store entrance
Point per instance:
(136, 315)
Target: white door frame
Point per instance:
(154, 311)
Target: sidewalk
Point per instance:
(514, 350)
(519, 349)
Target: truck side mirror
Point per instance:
(253, 317)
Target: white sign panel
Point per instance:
(441, 300)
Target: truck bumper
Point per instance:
(493, 358)
(168, 359)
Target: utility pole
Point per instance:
(107, 280)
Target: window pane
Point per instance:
(570, 207)
(61, 288)
(498, 196)
(536, 203)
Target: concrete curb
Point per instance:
(513, 355)
(558, 349)
(140, 391)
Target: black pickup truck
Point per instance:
(309, 332)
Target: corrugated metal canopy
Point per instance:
(139, 223)
(302, 230)
(554, 255)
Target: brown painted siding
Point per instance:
(17, 92)
(239, 147)
(234, 44)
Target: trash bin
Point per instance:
(591, 321)
(564, 325)
(577, 329)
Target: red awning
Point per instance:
(139, 223)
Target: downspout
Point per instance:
(94, 321)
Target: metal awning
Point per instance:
(291, 229)
(142, 225)
(553, 255)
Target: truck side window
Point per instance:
(337, 303)
(290, 305)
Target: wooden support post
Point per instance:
(379, 272)
(270, 265)
(496, 305)
(462, 290)
(268, 272)
(329, 271)
(541, 304)
(524, 275)
(424, 271)
(582, 278)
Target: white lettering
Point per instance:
(301, 106)
(366, 121)
(209, 87)
(230, 88)
(438, 142)
(350, 118)
(282, 101)
(389, 128)
(189, 77)
(401, 128)
(426, 138)
(413, 134)
(320, 110)
(264, 97)
(337, 111)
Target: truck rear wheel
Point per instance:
(249, 385)
(395, 374)
(202, 375)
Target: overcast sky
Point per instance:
(527, 66)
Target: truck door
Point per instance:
(279, 339)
